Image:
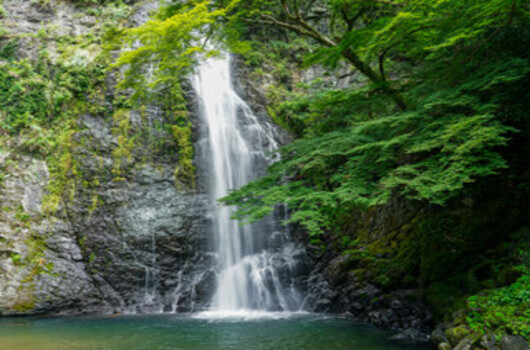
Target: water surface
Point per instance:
(175, 332)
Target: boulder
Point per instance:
(456, 334)
(465, 344)
(489, 342)
(513, 342)
(444, 346)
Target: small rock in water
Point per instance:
(489, 342)
(346, 314)
(411, 335)
(465, 344)
(444, 346)
(456, 334)
(438, 336)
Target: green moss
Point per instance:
(95, 203)
(15, 258)
(382, 281)
(63, 169)
(456, 334)
(24, 306)
(444, 346)
(34, 264)
(22, 216)
(185, 169)
(359, 274)
(122, 153)
(82, 241)
(41, 100)
(35, 259)
(392, 261)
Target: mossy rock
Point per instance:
(359, 274)
(25, 305)
(444, 346)
(456, 334)
(382, 281)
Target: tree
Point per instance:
(297, 18)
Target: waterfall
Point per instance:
(255, 262)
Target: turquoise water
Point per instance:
(175, 332)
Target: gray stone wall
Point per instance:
(117, 245)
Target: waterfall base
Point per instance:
(247, 315)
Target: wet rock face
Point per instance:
(335, 287)
(253, 92)
(144, 247)
(514, 342)
(399, 310)
(30, 16)
(137, 242)
(65, 284)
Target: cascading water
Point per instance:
(256, 262)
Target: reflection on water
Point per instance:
(172, 332)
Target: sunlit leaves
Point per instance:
(163, 50)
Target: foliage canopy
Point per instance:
(459, 65)
(434, 104)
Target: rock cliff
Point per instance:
(129, 235)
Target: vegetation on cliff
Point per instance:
(44, 96)
(56, 71)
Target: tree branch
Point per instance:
(300, 26)
(292, 27)
(351, 21)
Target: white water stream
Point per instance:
(253, 276)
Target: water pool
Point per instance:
(175, 332)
